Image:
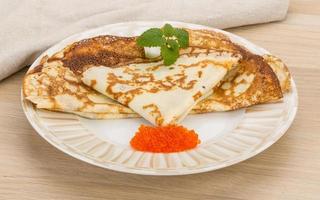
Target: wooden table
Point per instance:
(30, 168)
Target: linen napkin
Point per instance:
(28, 27)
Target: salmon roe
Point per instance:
(164, 139)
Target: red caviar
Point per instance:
(164, 139)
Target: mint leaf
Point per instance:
(170, 52)
(168, 38)
(151, 38)
(183, 37)
(168, 30)
(173, 44)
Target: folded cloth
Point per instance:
(28, 27)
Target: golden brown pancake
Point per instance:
(55, 83)
(104, 50)
(252, 83)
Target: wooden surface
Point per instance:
(30, 168)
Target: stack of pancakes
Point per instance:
(109, 77)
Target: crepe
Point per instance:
(254, 82)
(55, 83)
(163, 95)
(57, 88)
(108, 51)
(104, 50)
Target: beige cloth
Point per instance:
(28, 27)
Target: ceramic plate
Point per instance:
(226, 138)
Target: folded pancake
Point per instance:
(215, 40)
(55, 83)
(254, 82)
(57, 88)
(109, 51)
(163, 95)
(104, 50)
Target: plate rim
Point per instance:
(166, 172)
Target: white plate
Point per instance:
(226, 138)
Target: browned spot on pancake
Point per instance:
(192, 49)
(52, 59)
(199, 74)
(36, 69)
(197, 96)
(93, 83)
(44, 59)
(153, 68)
(39, 67)
(155, 112)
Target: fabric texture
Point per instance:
(28, 27)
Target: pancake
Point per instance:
(108, 51)
(104, 50)
(57, 88)
(55, 83)
(163, 95)
(254, 82)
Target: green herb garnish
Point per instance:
(168, 38)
